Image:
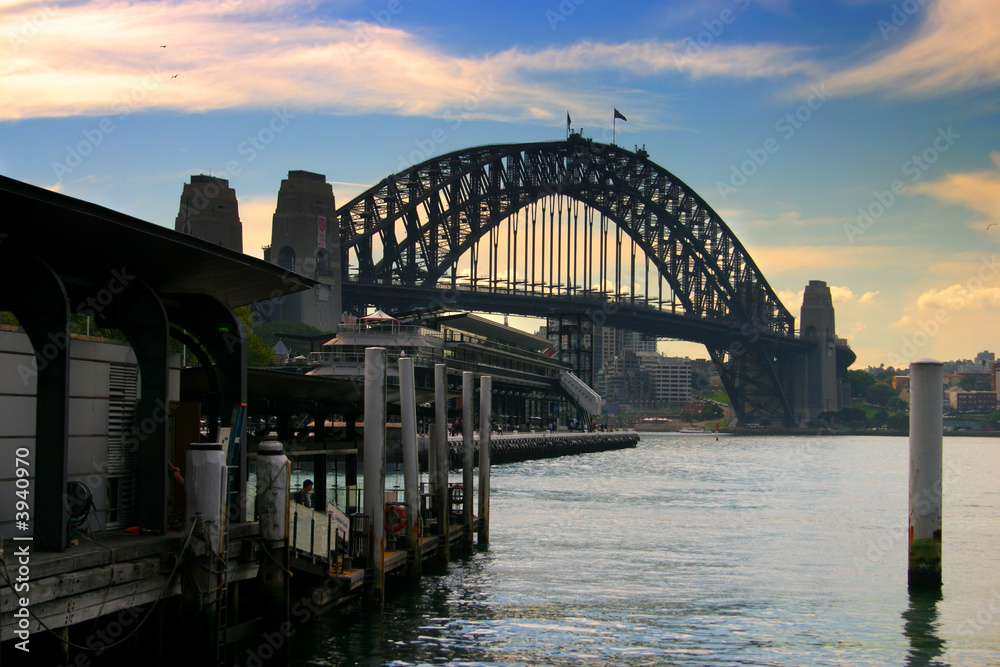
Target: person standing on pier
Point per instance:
(302, 495)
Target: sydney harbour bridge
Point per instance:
(595, 234)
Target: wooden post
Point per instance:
(485, 409)
(440, 444)
(374, 470)
(411, 478)
(468, 453)
(926, 426)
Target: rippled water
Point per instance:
(694, 551)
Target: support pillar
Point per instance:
(142, 318)
(926, 426)
(220, 332)
(485, 410)
(411, 478)
(374, 470)
(468, 382)
(37, 297)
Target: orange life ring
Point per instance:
(394, 518)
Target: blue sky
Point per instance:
(853, 142)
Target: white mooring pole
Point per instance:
(926, 426)
(374, 467)
(485, 410)
(440, 445)
(468, 385)
(411, 480)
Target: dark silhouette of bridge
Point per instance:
(581, 227)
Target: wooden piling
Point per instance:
(485, 410)
(411, 479)
(440, 445)
(468, 385)
(926, 426)
(374, 471)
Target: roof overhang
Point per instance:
(89, 245)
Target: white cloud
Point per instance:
(957, 297)
(956, 49)
(978, 191)
(105, 58)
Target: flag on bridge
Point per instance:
(568, 122)
(618, 114)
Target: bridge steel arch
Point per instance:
(412, 227)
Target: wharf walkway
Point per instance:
(515, 447)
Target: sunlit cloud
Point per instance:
(957, 297)
(978, 191)
(956, 49)
(113, 58)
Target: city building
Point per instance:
(972, 401)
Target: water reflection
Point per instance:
(920, 628)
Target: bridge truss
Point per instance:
(575, 224)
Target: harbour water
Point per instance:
(697, 550)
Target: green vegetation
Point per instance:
(720, 396)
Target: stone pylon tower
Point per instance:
(816, 323)
(209, 211)
(305, 238)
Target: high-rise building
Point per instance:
(209, 211)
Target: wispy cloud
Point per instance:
(956, 49)
(978, 191)
(105, 57)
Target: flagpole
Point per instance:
(614, 127)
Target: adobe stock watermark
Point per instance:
(565, 9)
(984, 618)
(895, 539)
(248, 149)
(95, 136)
(363, 37)
(911, 346)
(31, 27)
(914, 167)
(693, 47)
(454, 116)
(786, 127)
(902, 12)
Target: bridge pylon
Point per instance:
(821, 384)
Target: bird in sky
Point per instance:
(174, 76)
(990, 225)
(163, 46)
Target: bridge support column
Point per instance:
(816, 324)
